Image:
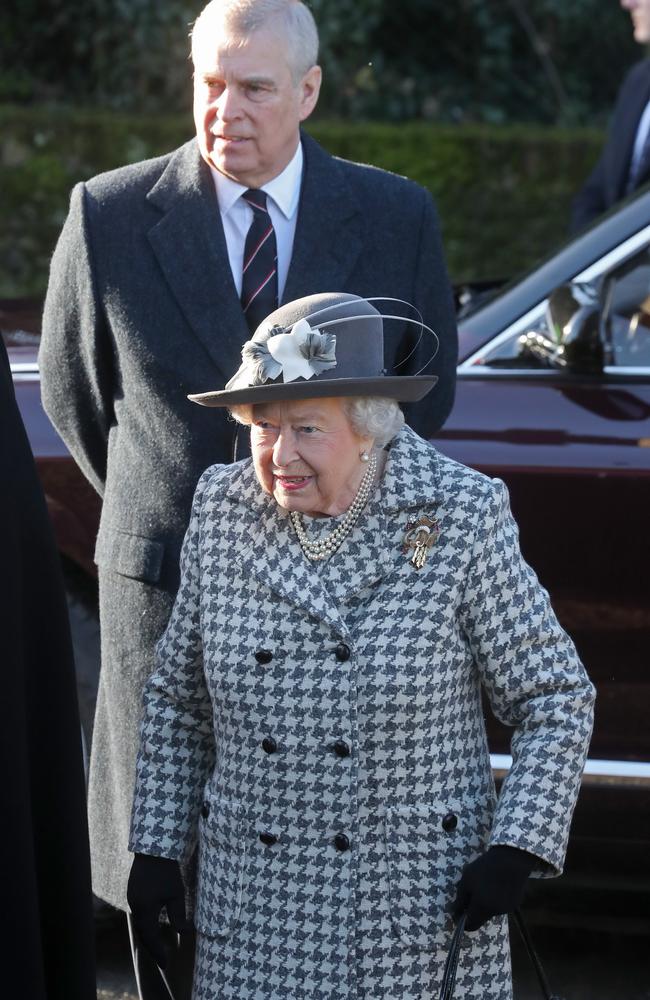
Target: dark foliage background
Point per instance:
(547, 61)
(496, 106)
(503, 193)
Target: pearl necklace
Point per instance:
(315, 551)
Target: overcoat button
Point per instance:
(342, 652)
(205, 810)
(341, 749)
(341, 842)
(269, 744)
(269, 839)
(263, 655)
(449, 822)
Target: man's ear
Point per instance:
(309, 90)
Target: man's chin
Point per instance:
(231, 162)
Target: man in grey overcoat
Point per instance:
(144, 306)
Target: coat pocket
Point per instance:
(135, 556)
(427, 848)
(221, 867)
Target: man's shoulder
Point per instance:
(132, 177)
(368, 173)
(365, 177)
(640, 68)
(636, 76)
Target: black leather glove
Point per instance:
(492, 884)
(154, 883)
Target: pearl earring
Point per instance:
(364, 456)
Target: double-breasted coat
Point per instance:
(141, 310)
(319, 732)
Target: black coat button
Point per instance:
(449, 822)
(263, 655)
(341, 749)
(205, 810)
(342, 652)
(269, 839)
(269, 744)
(341, 842)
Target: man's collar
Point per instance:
(283, 189)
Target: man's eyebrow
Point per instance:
(265, 81)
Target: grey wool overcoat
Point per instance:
(319, 733)
(141, 310)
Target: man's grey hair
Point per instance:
(369, 416)
(291, 18)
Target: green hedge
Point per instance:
(503, 193)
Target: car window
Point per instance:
(626, 313)
(529, 348)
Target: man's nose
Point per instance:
(228, 105)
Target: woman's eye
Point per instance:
(306, 430)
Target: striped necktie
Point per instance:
(259, 291)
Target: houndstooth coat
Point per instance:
(319, 733)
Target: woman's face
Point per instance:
(307, 455)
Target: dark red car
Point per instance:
(553, 397)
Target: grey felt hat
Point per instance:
(330, 344)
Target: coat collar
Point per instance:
(412, 474)
(272, 553)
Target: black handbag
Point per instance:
(451, 965)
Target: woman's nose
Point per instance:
(284, 450)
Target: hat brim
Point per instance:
(404, 389)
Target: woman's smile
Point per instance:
(292, 483)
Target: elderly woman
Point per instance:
(314, 723)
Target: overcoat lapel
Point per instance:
(273, 556)
(328, 238)
(190, 246)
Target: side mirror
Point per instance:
(582, 346)
(573, 315)
(569, 340)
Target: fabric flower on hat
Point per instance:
(301, 353)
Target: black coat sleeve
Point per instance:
(46, 918)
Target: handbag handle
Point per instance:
(451, 965)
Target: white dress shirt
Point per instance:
(283, 195)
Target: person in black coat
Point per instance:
(624, 164)
(46, 928)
